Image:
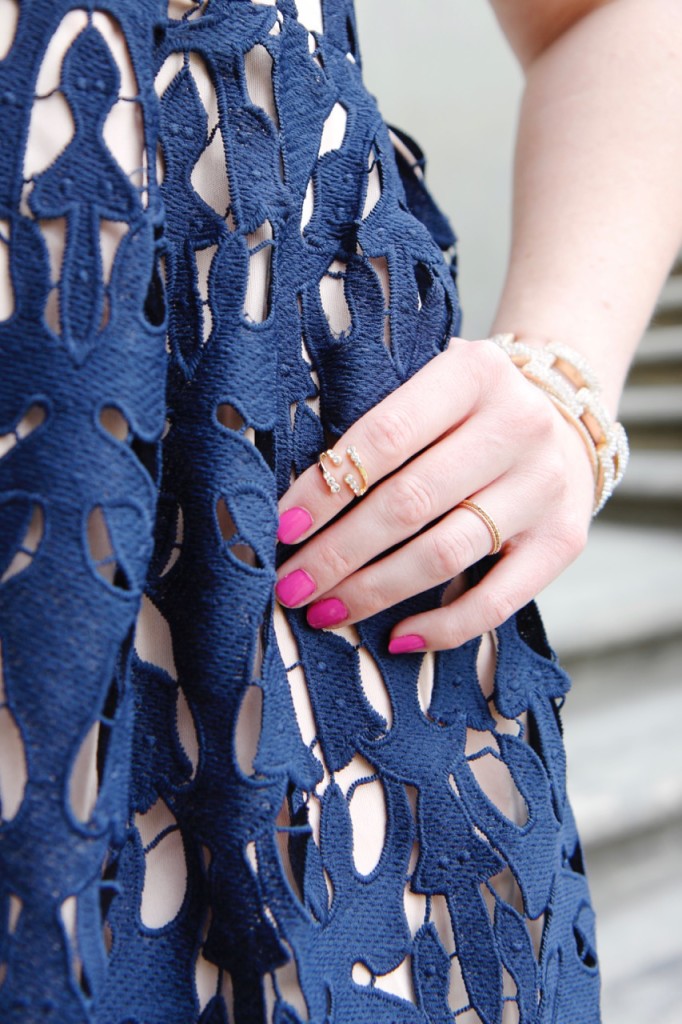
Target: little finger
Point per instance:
(517, 578)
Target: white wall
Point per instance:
(443, 72)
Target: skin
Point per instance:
(597, 222)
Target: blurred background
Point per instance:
(447, 77)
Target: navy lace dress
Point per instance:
(215, 258)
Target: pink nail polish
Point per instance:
(293, 524)
(295, 587)
(328, 612)
(406, 644)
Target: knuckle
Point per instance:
(498, 606)
(337, 564)
(541, 415)
(553, 424)
(529, 412)
(409, 503)
(449, 631)
(374, 597)
(449, 552)
(574, 538)
(555, 476)
(490, 364)
(389, 434)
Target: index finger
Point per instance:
(431, 403)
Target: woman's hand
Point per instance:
(468, 425)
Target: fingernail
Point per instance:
(406, 644)
(295, 587)
(293, 524)
(328, 612)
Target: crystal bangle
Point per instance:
(568, 380)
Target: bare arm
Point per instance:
(598, 177)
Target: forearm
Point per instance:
(598, 184)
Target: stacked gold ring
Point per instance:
(489, 522)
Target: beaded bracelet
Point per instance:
(568, 380)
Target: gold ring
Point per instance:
(489, 522)
(357, 487)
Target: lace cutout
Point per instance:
(215, 257)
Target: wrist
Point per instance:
(608, 362)
(565, 375)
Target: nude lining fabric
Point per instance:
(214, 257)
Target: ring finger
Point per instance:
(434, 557)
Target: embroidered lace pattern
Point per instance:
(215, 258)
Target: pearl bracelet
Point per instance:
(566, 377)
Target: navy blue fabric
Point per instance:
(66, 632)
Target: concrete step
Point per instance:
(669, 307)
(651, 492)
(637, 893)
(663, 436)
(652, 415)
(655, 475)
(659, 358)
(611, 677)
(621, 729)
(652, 405)
(661, 514)
(625, 763)
(615, 619)
(623, 591)
(660, 344)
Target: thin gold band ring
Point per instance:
(489, 522)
